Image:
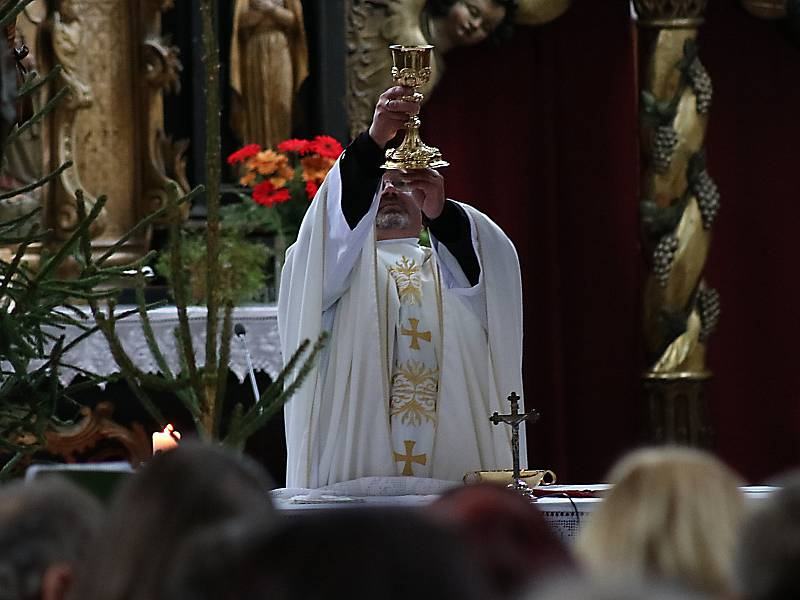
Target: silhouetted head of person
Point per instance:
(45, 526)
(506, 532)
(347, 553)
(178, 493)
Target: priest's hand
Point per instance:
(431, 185)
(391, 114)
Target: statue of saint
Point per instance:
(446, 24)
(269, 61)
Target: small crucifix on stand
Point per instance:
(514, 419)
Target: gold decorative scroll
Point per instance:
(115, 67)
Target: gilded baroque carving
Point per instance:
(670, 13)
(680, 200)
(116, 66)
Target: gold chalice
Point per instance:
(412, 68)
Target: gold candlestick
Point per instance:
(412, 68)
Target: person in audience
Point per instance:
(44, 528)
(507, 534)
(768, 555)
(354, 553)
(673, 514)
(178, 493)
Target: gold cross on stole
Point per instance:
(414, 334)
(410, 458)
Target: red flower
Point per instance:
(326, 146)
(311, 190)
(244, 153)
(262, 191)
(266, 194)
(298, 146)
(282, 195)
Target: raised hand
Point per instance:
(431, 184)
(391, 114)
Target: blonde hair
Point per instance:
(673, 514)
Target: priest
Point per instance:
(425, 342)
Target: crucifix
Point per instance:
(514, 419)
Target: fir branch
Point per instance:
(8, 468)
(11, 16)
(147, 328)
(186, 345)
(40, 114)
(210, 59)
(276, 396)
(222, 368)
(66, 249)
(172, 203)
(36, 184)
(34, 82)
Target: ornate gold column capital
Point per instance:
(670, 14)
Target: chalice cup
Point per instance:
(412, 68)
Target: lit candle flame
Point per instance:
(166, 439)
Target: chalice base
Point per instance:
(413, 154)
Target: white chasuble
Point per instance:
(402, 387)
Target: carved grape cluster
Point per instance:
(708, 299)
(663, 255)
(663, 147)
(708, 197)
(702, 86)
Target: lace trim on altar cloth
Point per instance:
(93, 353)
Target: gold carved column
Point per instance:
(115, 68)
(679, 202)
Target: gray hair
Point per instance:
(42, 522)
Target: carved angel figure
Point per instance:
(269, 61)
(372, 25)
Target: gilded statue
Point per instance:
(269, 61)
(372, 25)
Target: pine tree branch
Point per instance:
(210, 59)
(37, 184)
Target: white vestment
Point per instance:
(338, 423)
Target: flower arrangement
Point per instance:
(285, 179)
(280, 183)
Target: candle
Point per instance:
(166, 440)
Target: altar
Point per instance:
(564, 507)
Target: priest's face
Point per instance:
(399, 214)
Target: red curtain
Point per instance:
(541, 133)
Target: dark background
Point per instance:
(541, 134)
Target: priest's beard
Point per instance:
(391, 220)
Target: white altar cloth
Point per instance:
(564, 515)
(94, 355)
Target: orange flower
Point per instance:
(285, 174)
(267, 162)
(248, 178)
(315, 167)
